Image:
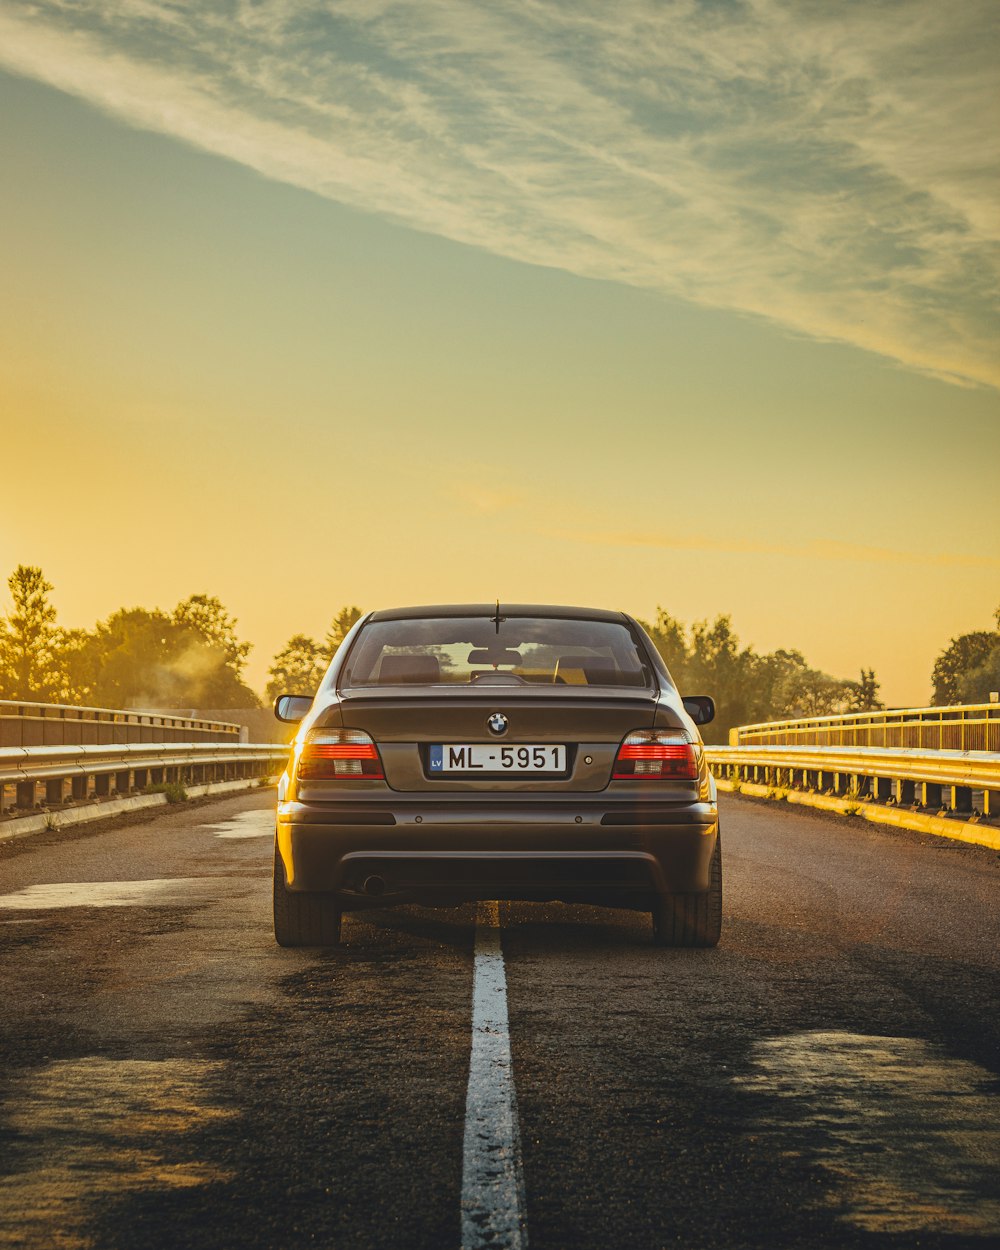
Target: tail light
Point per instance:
(339, 755)
(657, 755)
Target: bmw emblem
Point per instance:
(497, 723)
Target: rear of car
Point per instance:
(525, 752)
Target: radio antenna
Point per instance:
(497, 619)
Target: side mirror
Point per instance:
(700, 707)
(292, 707)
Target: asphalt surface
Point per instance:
(171, 1078)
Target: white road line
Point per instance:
(493, 1206)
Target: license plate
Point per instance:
(486, 758)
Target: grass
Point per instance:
(174, 791)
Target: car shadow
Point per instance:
(555, 927)
(450, 926)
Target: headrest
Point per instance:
(397, 670)
(597, 670)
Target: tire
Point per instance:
(303, 919)
(692, 919)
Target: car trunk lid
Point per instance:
(589, 723)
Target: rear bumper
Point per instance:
(432, 850)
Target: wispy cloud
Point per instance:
(833, 168)
(820, 549)
(488, 500)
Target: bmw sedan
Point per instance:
(510, 752)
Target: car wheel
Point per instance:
(692, 919)
(303, 919)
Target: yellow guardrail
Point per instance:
(963, 727)
(933, 779)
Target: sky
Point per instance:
(691, 304)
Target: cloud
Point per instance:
(488, 500)
(832, 168)
(820, 549)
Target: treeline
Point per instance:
(192, 657)
(707, 658)
(138, 657)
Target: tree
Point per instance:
(778, 677)
(708, 659)
(129, 659)
(976, 684)
(810, 692)
(718, 666)
(339, 628)
(298, 668)
(76, 667)
(669, 638)
(29, 659)
(963, 656)
(863, 694)
(148, 658)
(213, 631)
(205, 616)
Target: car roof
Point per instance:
(489, 610)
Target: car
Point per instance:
(519, 751)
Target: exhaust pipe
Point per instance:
(374, 886)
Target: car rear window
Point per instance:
(544, 651)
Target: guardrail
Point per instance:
(56, 776)
(24, 724)
(965, 727)
(961, 782)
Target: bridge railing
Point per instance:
(56, 776)
(965, 727)
(957, 782)
(25, 724)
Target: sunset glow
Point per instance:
(687, 304)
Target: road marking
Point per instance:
(493, 1205)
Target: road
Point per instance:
(171, 1078)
